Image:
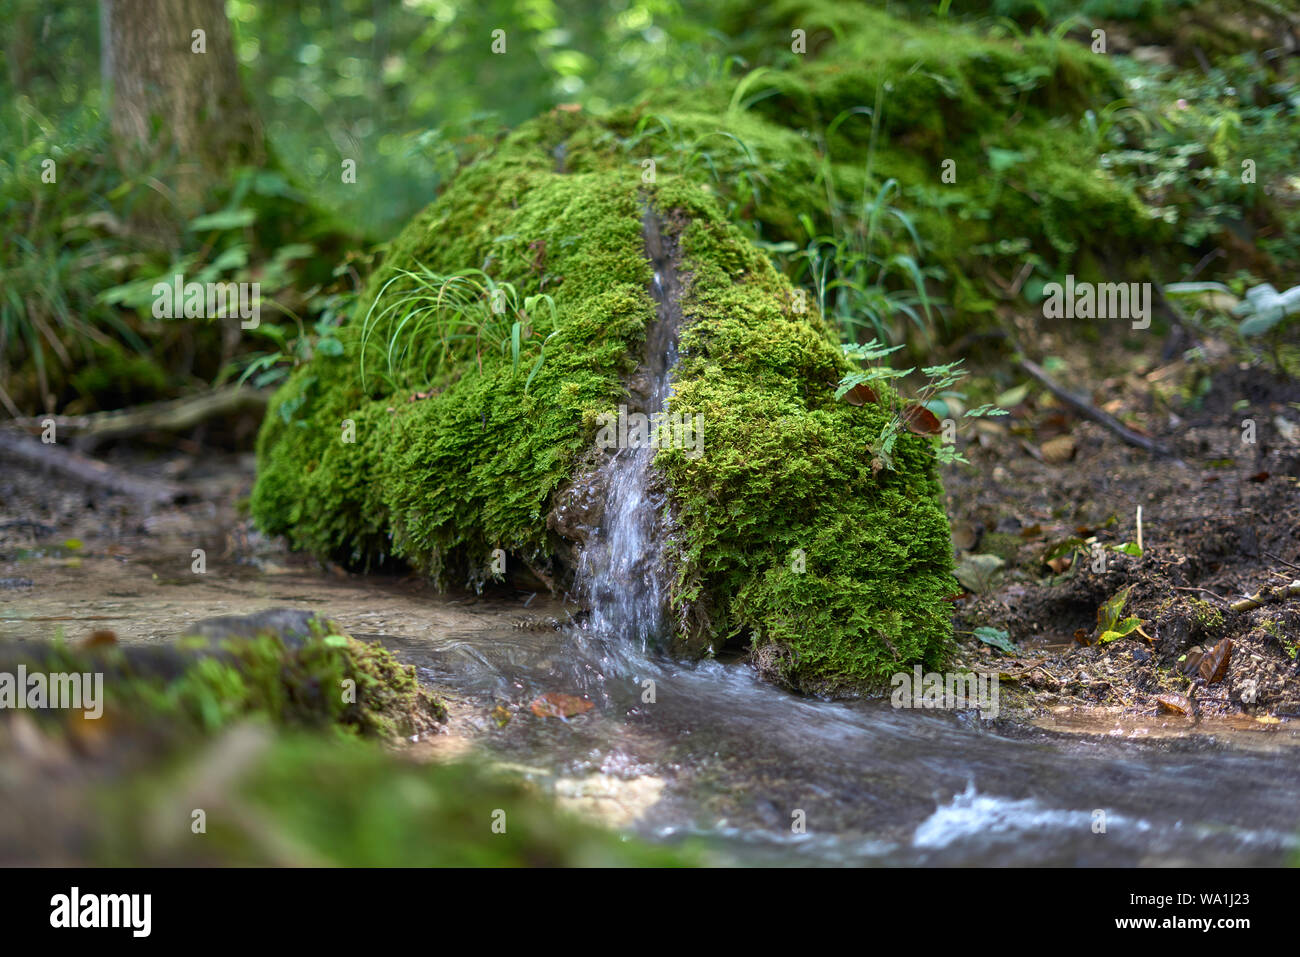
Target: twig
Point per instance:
(1266, 595)
(1090, 411)
(82, 468)
(1279, 558)
(1198, 588)
(177, 415)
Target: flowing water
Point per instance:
(622, 569)
(716, 754)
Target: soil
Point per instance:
(1220, 518)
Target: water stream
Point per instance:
(622, 571)
(716, 754)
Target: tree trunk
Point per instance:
(173, 87)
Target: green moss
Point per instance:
(443, 480)
(326, 680)
(296, 800)
(786, 534)
(450, 478)
(880, 97)
(1208, 618)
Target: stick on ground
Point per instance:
(1090, 411)
(176, 415)
(29, 451)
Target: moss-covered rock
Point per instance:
(298, 800)
(783, 532)
(288, 667)
(459, 451)
(437, 441)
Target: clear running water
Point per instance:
(622, 572)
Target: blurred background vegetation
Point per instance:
(404, 89)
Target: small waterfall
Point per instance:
(622, 572)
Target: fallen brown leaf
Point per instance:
(1059, 450)
(100, 639)
(556, 705)
(1215, 664)
(1173, 704)
(860, 394)
(920, 420)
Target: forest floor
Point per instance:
(1047, 496)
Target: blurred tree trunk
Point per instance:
(172, 87)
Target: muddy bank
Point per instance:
(1042, 516)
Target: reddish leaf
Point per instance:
(1059, 564)
(921, 420)
(860, 394)
(1215, 664)
(556, 705)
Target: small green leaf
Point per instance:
(996, 637)
(1013, 396)
(1121, 630)
(225, 219)
(1109, 624)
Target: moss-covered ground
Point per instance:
(270, 747)
(321, 679)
